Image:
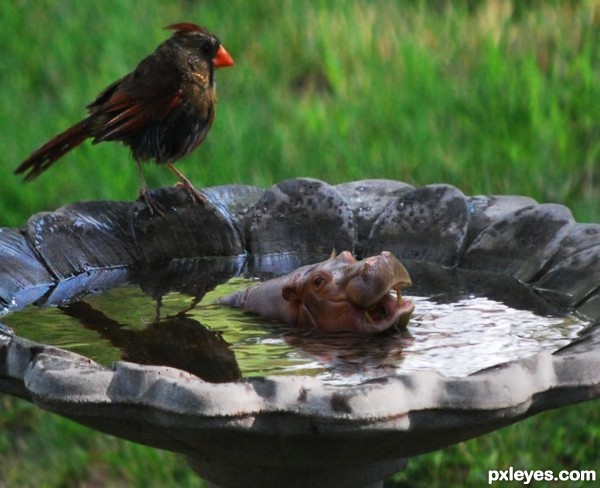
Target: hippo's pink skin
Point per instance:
(340, 294)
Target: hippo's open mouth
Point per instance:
(392, 309)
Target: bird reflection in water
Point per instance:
(177, 341)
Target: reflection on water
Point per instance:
(453, 335)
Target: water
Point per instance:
(455, 335)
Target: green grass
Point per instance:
(491, 96)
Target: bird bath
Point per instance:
(238, 429)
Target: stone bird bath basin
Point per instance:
(296, 430)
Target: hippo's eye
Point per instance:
(318, 282)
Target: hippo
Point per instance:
(339, 294)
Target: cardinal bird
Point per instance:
(162, 110)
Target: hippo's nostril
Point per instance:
(367, 268)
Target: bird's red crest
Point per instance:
(185, 27)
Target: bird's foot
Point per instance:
(153, 205)
(187, 186)
(194, 194)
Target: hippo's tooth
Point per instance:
(368, 317)
(399, 300)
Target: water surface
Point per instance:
(455, 335)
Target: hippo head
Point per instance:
(345, 294)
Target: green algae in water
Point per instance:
(455, 338)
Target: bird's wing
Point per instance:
(146, 95)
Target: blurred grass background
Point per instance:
(495, 97)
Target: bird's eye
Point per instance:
(208, 49)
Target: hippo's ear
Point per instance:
(291, 292)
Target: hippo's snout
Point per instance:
(377, 276)
(375, 290)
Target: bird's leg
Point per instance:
(152, 204)
(187, 186)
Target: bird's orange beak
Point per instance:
(222, 59)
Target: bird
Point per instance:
(162, 110)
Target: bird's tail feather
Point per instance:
(54, 149)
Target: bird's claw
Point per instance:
(153, 205)
(194, 194)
